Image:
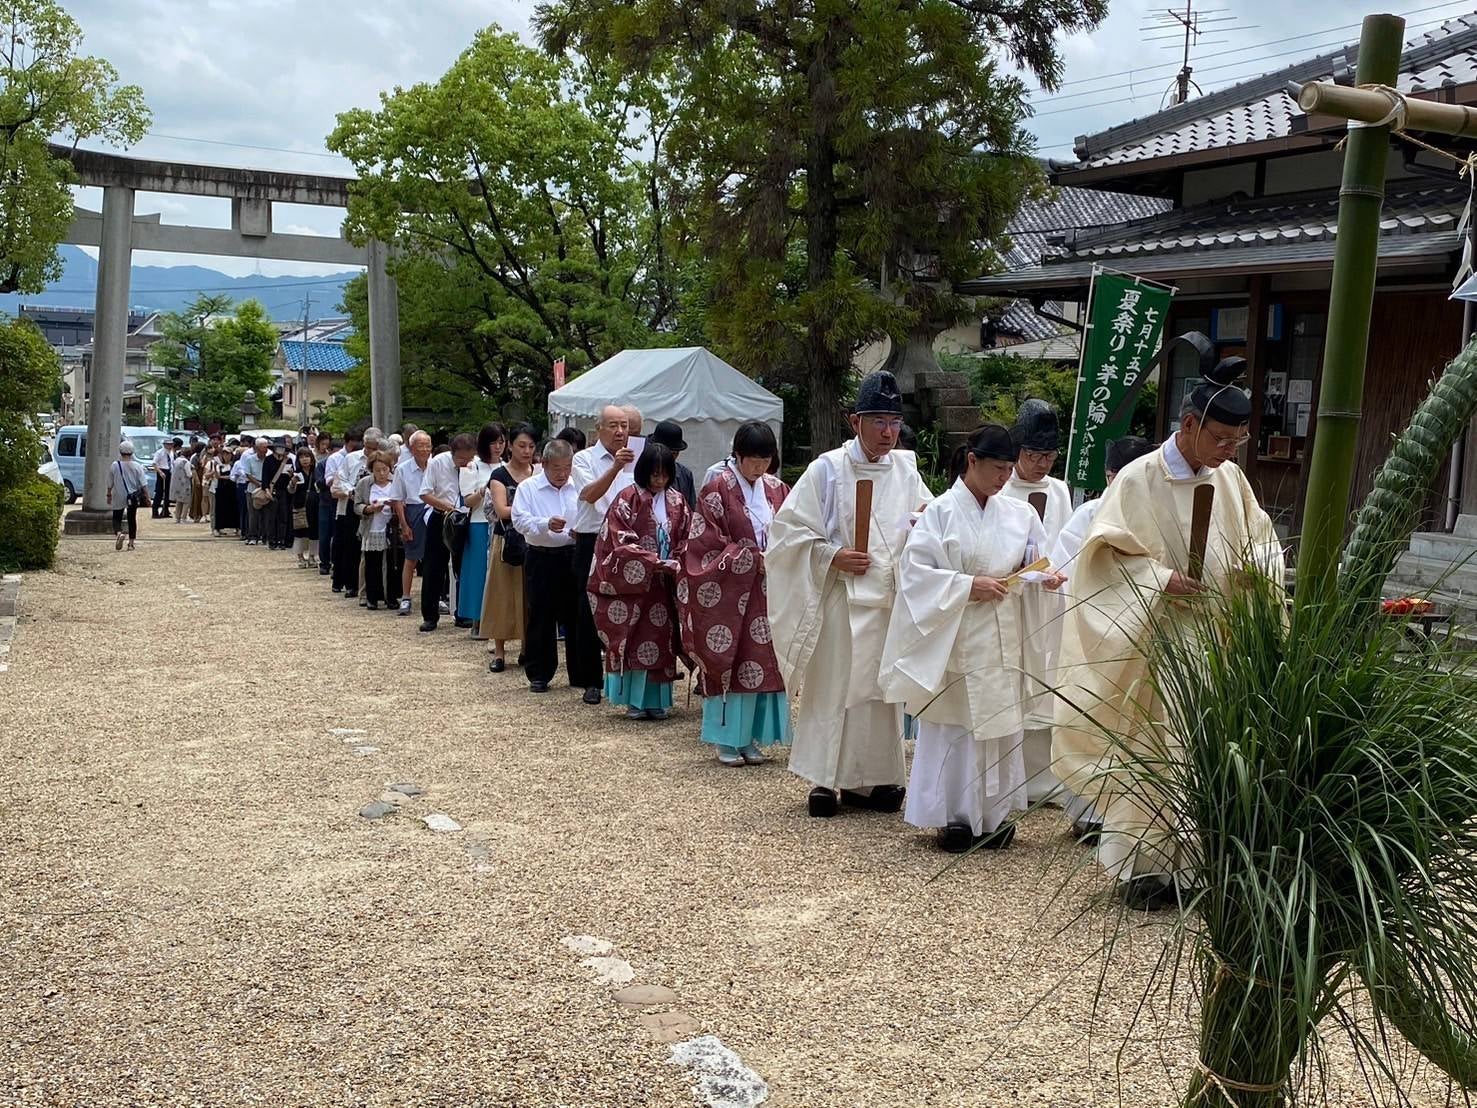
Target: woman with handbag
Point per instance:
(502, 617)
(304, 508)
(372, 503)
(476, 476)
(128, 488)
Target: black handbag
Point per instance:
(515, 546)
(455, 527)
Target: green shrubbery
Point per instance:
(29, 517)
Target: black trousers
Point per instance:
(435, 567)
(374, 575)
(161, 494)
(582, 648)
(130, 509)
(346, 552)
(549, 591)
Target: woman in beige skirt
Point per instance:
(502, 597)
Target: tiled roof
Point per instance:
(323, 357)
(1064, 211)
(1420, 218)
(1261, 109)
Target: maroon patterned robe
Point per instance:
(721, 592)
(631, 600)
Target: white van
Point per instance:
(69, 452)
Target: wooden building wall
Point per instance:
(1412, 337)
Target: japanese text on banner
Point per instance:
(1126, 325)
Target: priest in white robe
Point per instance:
(829, 605)
(1134, 567)
(955, 651)
(1038, 439)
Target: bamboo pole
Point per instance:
(1351, 299)
(1368, 105)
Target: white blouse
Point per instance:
(475, 475)
(756, 505)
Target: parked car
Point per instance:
(48, 467)
(69, 452)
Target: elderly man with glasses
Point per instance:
(830, 593)
(1134, 571)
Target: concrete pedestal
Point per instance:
(88, 521)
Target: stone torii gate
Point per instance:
(117, 232)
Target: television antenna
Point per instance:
(1182, 30)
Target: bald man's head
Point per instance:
(633, 419)
(612, 431)
(420, 447)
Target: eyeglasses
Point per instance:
(1237, 443)
(883, 423)
(1039, 455)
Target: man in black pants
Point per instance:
(345, 522)
(599, 474)
(543, 507)
(443, 492)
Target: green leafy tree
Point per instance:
(29, 372)
(213, 361)
(836, 149)
(48, 88)
(526, 202)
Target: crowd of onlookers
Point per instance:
(525, 543)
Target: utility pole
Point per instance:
(302, 385)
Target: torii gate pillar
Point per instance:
(109, 361)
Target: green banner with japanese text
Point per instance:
(1125, 328)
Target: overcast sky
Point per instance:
(271, 75)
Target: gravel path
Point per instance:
(196, 912)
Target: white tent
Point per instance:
(690, 385)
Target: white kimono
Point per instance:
(1139, 537)
(828, 626)
(1069, 542)
(1044, 612)
(959, 664)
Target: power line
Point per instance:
(246, 145)
(1225, 82)
(1246, 74)
(1254, 46)
(283, 284)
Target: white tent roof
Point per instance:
(685, 383)
(690, 385)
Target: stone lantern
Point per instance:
(249, 412)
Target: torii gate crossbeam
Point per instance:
(252, 192)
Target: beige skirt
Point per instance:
(502, 598)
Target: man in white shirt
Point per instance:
(256, 527)
(441, 492)
(542, 510)
(163, 462)
(410, 511)
(599, 474)
(341, 479)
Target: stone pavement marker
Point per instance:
(407, 788)
(720, 1078)
(669, 1027)
(610, 970)
(587, 944)
(377, 809)
(645, 996)
(436, 821)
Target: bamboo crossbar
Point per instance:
(1371, 105)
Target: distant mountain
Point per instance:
(171, 288)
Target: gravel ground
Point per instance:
(195, 912)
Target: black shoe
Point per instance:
(497, 665)
(592, 696)
(522, 658)
(1087, 832)
(373, 605)
(338, 588)
(821, 803)
(997, 839)
(427, 627)
(882, 798)
(1154, 893)
(324, 571)
(350, 594)
(538, 686)
(955, 838)
(462, 621)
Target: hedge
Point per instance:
(30, 523)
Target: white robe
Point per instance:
(1044, 612)
(829, 627)
(958, 664)
(1069, 542)
(1139, 537)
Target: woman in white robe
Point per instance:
(955, 651)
